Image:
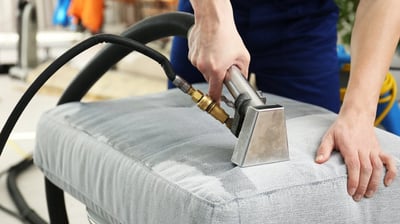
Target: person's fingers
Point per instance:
(192, 55)
(192, 35)
(353, 169)
(375, 178)
(365, 172)
(190, 32)
(243, 64)
(212, 55)
(325, 148)
(215, 83)
(391, 170)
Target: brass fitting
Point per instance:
(205, 103)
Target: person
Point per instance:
(292, 44)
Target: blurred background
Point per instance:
(34, 33)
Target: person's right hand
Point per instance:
(214, 46)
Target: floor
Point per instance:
(20, 144)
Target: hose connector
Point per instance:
(205, 103)
(181, 84)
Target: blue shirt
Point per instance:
(292, 44)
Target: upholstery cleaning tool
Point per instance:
(260, 128)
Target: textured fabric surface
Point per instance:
(159, 159)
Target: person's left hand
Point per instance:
(355, 138)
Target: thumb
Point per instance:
(325, 148)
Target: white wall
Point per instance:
(9, 14)
(45, 10)
(8, 18)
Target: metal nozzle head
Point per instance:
(263, 138)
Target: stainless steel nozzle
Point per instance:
(261, 128)
(263, 137)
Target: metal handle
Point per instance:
(237, 84)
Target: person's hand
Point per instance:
(213, 48)
(354, 137)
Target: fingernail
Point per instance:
(320, 157)
(352, 191)
(357, 197)
(369, 193)
(389, 182)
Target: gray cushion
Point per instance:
(159, 159)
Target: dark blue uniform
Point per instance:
(292, 44)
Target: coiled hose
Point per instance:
(67, 56)
(388, 95)
(153, 28)
(25, 211)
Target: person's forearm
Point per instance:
(212, 12)
(215, 43)
(211, 8)
(375, 35)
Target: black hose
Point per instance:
(395, 68)
(13, 214)
(25, 211)
(145, 31)
(6, 210)
(67, 56)
(153, 28)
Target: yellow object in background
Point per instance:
(387, 95)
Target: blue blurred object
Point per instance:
(343, 55)
(60, 16)
(391, 121)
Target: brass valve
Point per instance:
(205, 103)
